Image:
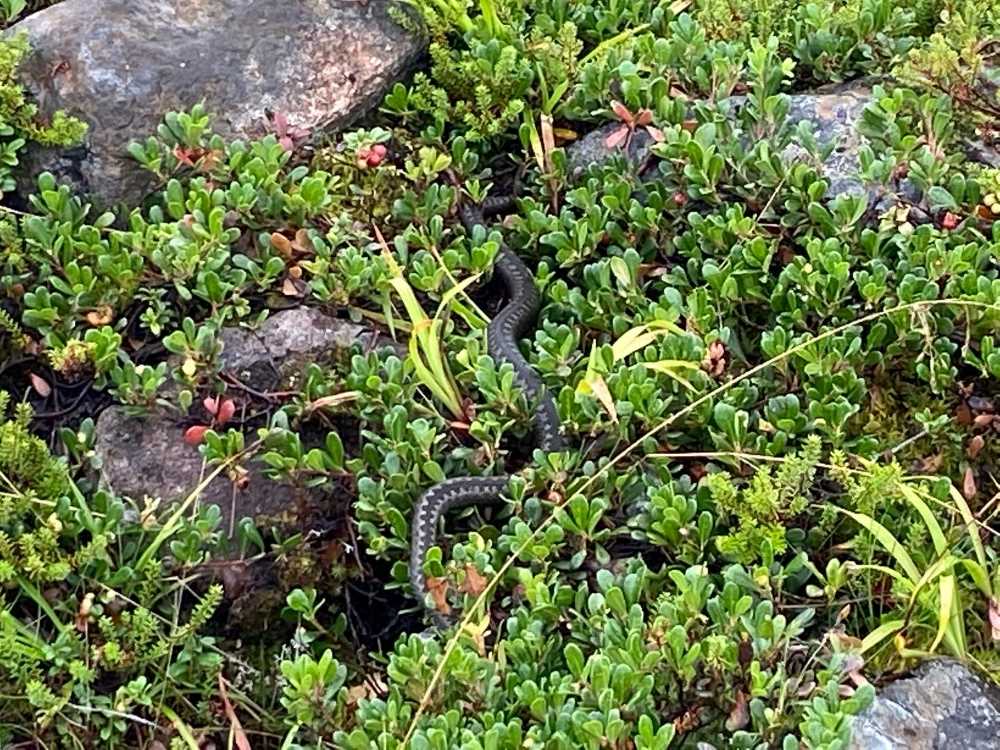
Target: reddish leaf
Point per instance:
(40, 385)
(280, 123)
(655, 133)
(617, 138)
(195, 434)
(239, 736)
(622, 112)
(645, 117)
(226, 410)
(995, 619)
(950, 221)
(211, 405)
(714, 362)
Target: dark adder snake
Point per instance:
(509, 325)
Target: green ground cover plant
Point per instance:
(780, 402)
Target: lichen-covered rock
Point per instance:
(834, 118)
(121, 64)
(147, 457)
(944, 706)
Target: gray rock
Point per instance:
(833, 113)
(147, 457)
(943, 706)
(121, 64)
(834, 118)
(593, 150)
(274, 356)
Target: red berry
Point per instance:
(379, 149)
(374, 159)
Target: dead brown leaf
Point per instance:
(687, 721)
(975, 446)
(697, 471)
(335, 399)
(282, 244)
(101, 316)
(293, 287)
(969, 488)
(983, 421)
(235, 577)
(474, 583)
(931, 464)
(302, 244)
(83, 612)
(438, 588)
(745, 653)
(739, 716)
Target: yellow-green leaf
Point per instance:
(880, 633)
(888, 541)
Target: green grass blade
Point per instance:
(971, 526)
(937, 535)
(888, 542)
(669, 366)
(880, 633)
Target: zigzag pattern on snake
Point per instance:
(512, 323)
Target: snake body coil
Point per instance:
(509, 325)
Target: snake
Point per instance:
(514, 320)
